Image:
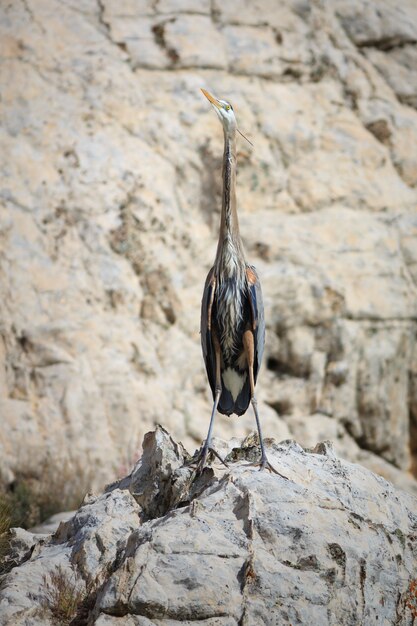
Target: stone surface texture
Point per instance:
(109, 207)
(330, 544)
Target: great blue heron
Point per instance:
(232, 314)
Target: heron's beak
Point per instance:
(212, 99)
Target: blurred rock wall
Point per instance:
(110, 193)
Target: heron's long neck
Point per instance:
(230, 253)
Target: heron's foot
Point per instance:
(200, 460)
(217, 455)
(266, 465)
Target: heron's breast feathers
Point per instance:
(229, 314)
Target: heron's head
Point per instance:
(224, 111)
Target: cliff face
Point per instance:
(110, 168)
(330, 544)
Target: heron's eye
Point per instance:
(227, 107)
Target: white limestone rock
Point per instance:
(327, 542)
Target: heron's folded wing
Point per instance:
(206, 328)
(257, 315)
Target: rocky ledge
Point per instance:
(330, 544)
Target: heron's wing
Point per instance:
(206, 328)
(257, 316)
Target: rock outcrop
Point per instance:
(109, 207)
(330, 544)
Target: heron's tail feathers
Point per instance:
(243, 399)
(227, 405)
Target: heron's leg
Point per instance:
(217, 393)
(249, 346)
(258, 425)
(207, 442)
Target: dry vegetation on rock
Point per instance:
(62, 596)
